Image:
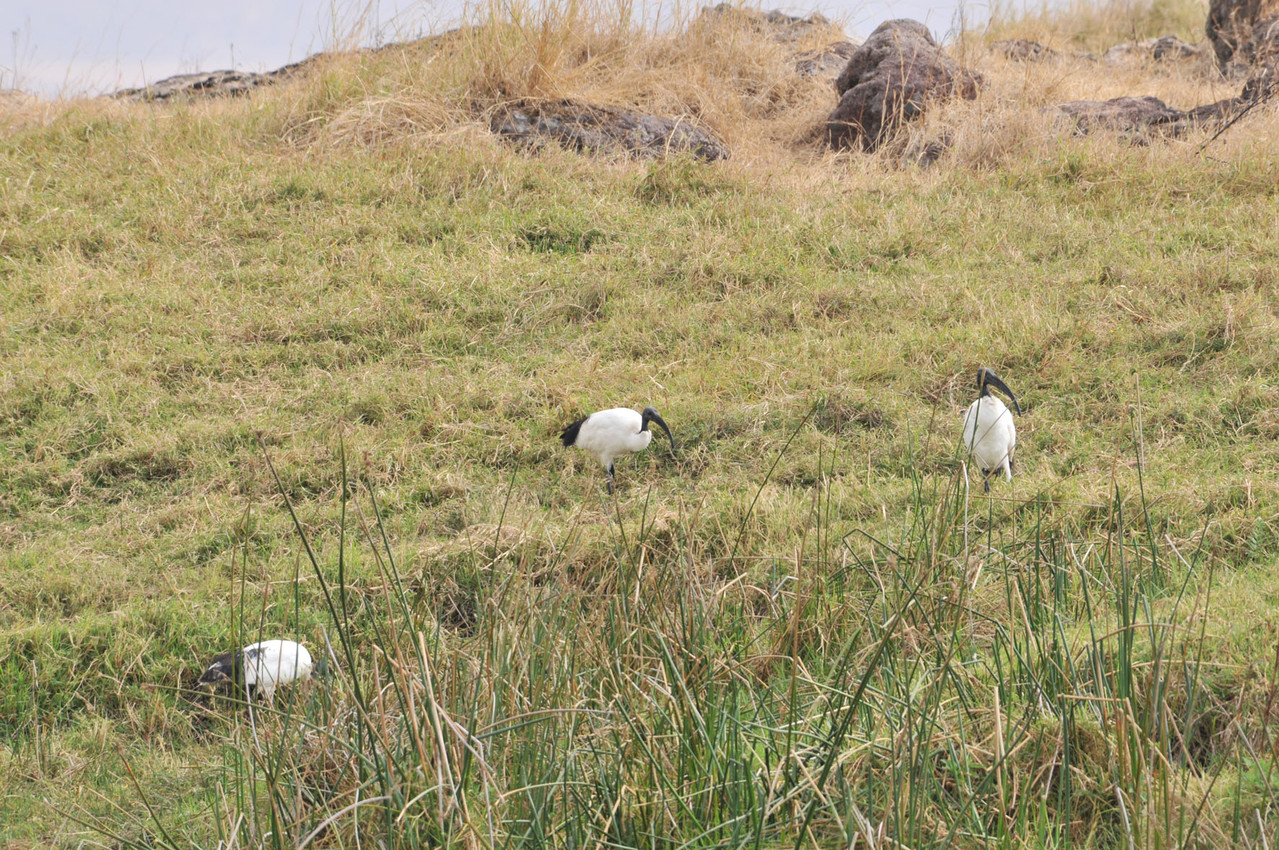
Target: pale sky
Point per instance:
(94, 46)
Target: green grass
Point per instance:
(791, 632)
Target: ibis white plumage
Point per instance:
(261, 667)
(608, 434)
(989, 433)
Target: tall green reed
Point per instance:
(973, 677)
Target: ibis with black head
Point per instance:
(990, 436)
(608, 434)
(260, 668)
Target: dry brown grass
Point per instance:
(1014, 121)
(724, 71)
(1094, 25)
(730, 74)
(737, 78)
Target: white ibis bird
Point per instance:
(989, 433)
(261, 667)
(617, 431)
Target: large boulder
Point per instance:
(1126, 114)
(1140, 118)
(889, 80)
(1232, 24)
(596, 129)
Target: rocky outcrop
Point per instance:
(889, 80)
(603, 130)
(1126, 114)
(196, 85)
(205, 84)
(211, 83)
(1232, 24)
(1141, 118)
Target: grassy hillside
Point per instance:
(295, 364)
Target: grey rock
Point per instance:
(195, 85)
(1143, 118)
(597, 129)
(1127, 114)
(1165, 47)
(1172, 47)
(223, 83)
(1209, 113)
(209, 83)
(889, 80)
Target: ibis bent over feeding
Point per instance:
(261, 667)
(609, 433)
(989, 433)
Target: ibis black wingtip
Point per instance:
(569, 437)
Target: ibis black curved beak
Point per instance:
(651, 415)
(989, 378)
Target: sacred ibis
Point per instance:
(261, 667)
(989, 433)
(609, 433)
